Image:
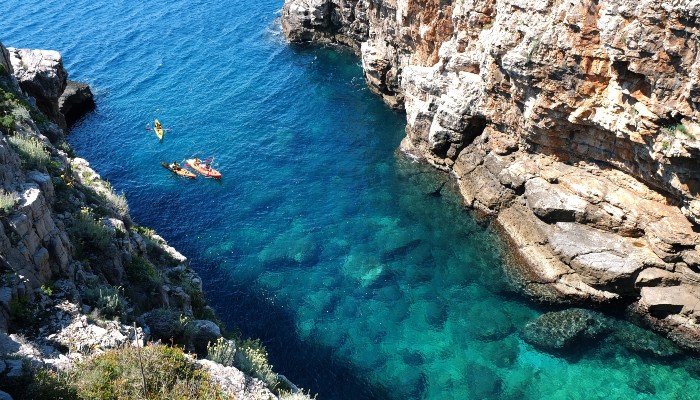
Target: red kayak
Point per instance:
(204, 168)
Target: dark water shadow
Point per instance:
(309, 365)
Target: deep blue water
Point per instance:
(320, 239)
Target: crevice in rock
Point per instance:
(636, 84)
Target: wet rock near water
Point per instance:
(590, 162)
(75, 102)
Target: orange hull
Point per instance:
(182, 172)
(208, 172)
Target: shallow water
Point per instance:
(320, 239)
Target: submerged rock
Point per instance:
(644, 342)
(595, 155)
(561, 330)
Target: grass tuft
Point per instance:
(223, 351)
(108, 300)
(7, 203)
(31, 151)
(89, 235)
(251, 358)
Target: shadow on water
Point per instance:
(316, 368)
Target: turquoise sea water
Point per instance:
(320, 239)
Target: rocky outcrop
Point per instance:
(75, 102)
(72, 262)
(41, 76)
(237, 384)
(576, 123)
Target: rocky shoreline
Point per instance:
(573, 124)
(78, 278)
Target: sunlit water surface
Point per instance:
(320, 239)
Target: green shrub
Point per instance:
(19, 310)
(63, 145)
(140, 270)
(7, 203)
(49, 385)
(119, 203)
(251, 358)
(7, 124)
(47, 290)
(107, 300)
(153, 372)
(31, 151)
(147, 233)
(679, 128)
(89, 235)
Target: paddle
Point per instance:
(165, 129)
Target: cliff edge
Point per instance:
(573, 123)
(85, 291)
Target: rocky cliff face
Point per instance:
(77, 276)
(575, 122)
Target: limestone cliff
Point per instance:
(574, 121)
(77, 276)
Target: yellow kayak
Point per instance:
(159, 130)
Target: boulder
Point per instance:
(670, 235)
(604, 260)
(75, 102)
(83, 335)
(563, 330)
(681, 299)
(14, 369)
(164, 324)
(5, 61)
(657, 277)
(203, 333)
(552, 203)
(642, 341)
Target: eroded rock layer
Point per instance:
(574, 121)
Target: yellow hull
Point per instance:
(159, 130)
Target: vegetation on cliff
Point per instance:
(80, 283)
